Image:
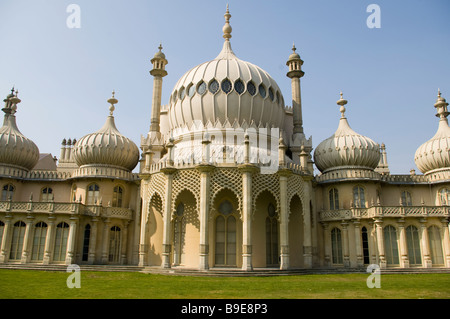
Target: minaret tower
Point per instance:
(158, 72)
(295, 73)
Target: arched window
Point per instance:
(46, 194)
(7, 192)
(93, 194)
(435, 242)
(114, 244)
(87, 237)
(60, 249)
(178, 234)
(271, 236)
(117, 196)
(17, 240)
(413, 243)
(225, 249)
(336, 246)
(365, 244)
(406, 198)
(358, 196)
(390, 245)
(444, 196)
(334, 198)
(40, 235)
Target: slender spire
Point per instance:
(112, 100)
(342, 102)
(227, 27)
(441, 106)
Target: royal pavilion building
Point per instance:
(223, 179)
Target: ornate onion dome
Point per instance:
(346, 148)
(435, 154)
(16, 150)
(226, 89)
(107, 147)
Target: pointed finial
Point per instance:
(112, 101)
(293, 47)
(439, 92)
(227, 27)
(342, 102)
(441, 106)
(160, 47)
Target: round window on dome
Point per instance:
(239, 86)
(182, 93)
(226, 86)
(262, 91)
(174, 97)
(201, 88)
(214, 87)
(251, 88)
(191, 90)
(271, 95)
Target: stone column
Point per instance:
(5, 239)
(123, 258)
(105, 240)
(49, 241)
(307, 246)
(26, 241)
(446, 239)
(380, 242)
(327, 244)
(404, 261)
(205, 171)
(167, 218)
(284, 219)
(371, 234)
(426, 258)
(247, 171)
(70, 259)
(143, 229)
(345, 244)
(358, 243)
(93, 241)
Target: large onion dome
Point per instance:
(16, 150)
(107, 147)
(346, 148)
(435, 154)
(226, 89)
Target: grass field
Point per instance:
(29, 284)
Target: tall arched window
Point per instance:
(434, 239)
(365, 244)
(358, 196)
(114, 244)
(40, 235)
(390, 245)
(60, 249)
(17, 240)
(7, 192)
(334, 198)
(46, 194)
(336, 246)
(406, 198)
(225, 248)
(413, 244)
(93, 194)
(178, 234)
(87, 237)
(444, 196)
(271, 236)
(117, 196)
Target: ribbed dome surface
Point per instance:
(346, 148)
(107, 147)
(435, 153)
(226, 88)
(16, 149)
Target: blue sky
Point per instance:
(389, 75)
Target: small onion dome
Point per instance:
(16, 150)
(294, 55)
(107, 147)
(160, 54)
(346, 148)
(435, 153)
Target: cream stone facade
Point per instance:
(225, 180)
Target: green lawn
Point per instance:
(28, 284)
